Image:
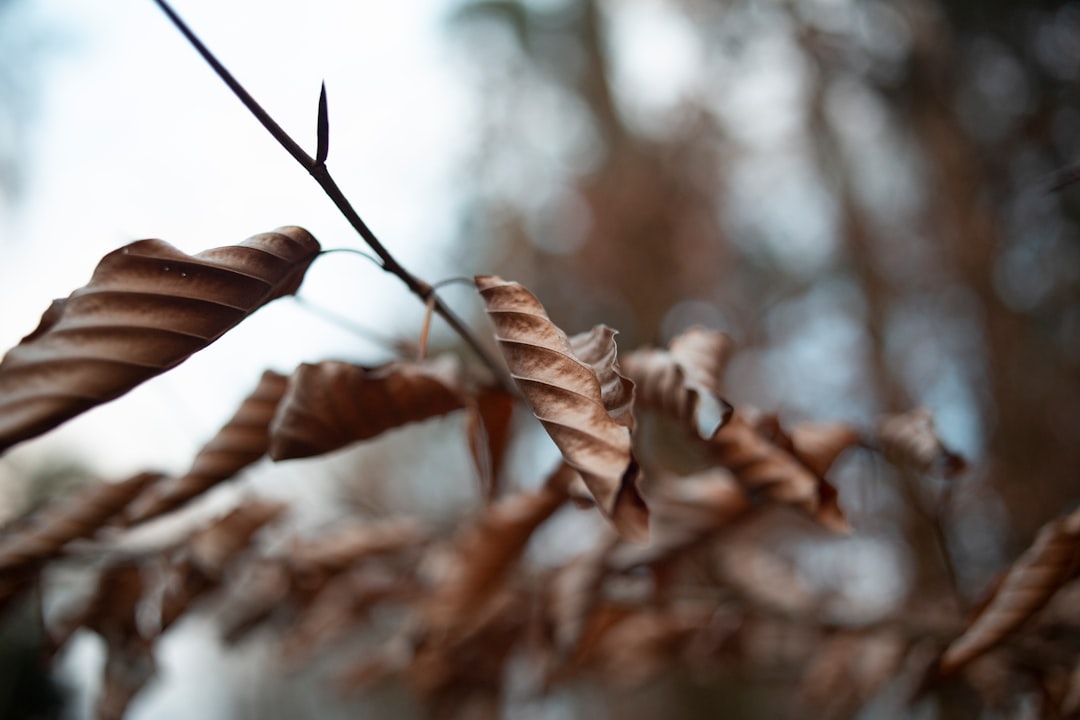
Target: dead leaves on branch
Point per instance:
(473, 602)
(147, 308)
(1033, 579)
(583, 402)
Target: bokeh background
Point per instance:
(871, 197)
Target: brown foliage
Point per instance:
(146, 309)
(585, 407)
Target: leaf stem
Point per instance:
(318, 170)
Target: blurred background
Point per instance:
(871, 197)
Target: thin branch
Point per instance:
(322, 176)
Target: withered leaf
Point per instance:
(684, 380)
(488, 428)
(910, 439)
(567, 395)
(1027, 586)
(770, 468)
(77, 517)
(244, 439)
(332, 404)
(486, 550)
(146, 309)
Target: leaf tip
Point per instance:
(322, 130)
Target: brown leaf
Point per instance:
(485, 551)
(112, 612)
(333, 404)
(769, 468)
(199, 566)
(819, 444)
(146, 309)
(244, 439)
(23, 548)
(567, 395)
(488, 429)
(351, 543)
(911, 440)
(1027, 586)
(684, 380)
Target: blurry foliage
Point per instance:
(872, 199)
(858, 192)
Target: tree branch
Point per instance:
(317, 169)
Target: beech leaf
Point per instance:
(332, 404)
(566, 393)
(684, 380)
(146, 309)
(22, 548)
(1027, 586)
(771, 468)
(911, 440)
(243, 440)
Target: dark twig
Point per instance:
(317, 169)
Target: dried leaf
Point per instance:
(1026, 587)
(199, 567)
(911, 440)
(212, 547)
(243, 440)
(147, 308)
(351, 543)
(567, 395)
(488, 429)
(819, 444)
(684, 380)
(485, 551)
(333, 404)
(112, 611)
(766, 467)
(23, 548)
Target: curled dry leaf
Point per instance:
(488, 429)
(244, 439)
(590, 427)
(213, 546)
(485, 551)
(146, 309)
(684, 380)
(22, 548)
(1027, 586)
(911, 440)
(332, 404)
(767, 467)
(199, 566)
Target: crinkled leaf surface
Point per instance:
(567, 394)
(332, 404)
(684, 380)
(147, 308)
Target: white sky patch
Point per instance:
(656, 60)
